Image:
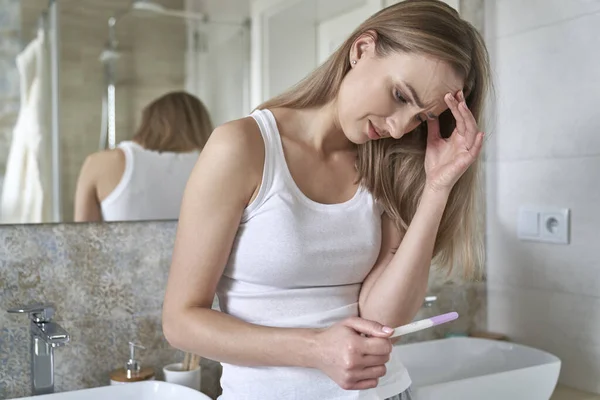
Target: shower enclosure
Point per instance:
(48, 22)
(199, 29)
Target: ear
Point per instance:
(363, 46)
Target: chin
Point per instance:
(354, 133)
(358, 141)
(357, 137)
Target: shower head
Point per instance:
(145, 5)
(152, 7)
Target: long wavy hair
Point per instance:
(393, 169)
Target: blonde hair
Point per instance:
(393, 169)
(175, 122)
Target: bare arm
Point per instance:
(394, 290)
(224, 180)
(218, 190)
(87, 206)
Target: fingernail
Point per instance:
(387, 329)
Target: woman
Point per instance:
(144, 179)
(319, 217)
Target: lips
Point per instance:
(374, 133)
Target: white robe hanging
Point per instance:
(23, 188)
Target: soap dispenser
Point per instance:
(133, 371)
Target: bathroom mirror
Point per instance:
(77, 74)
(80, 72)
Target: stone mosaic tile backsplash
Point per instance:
(107, 282)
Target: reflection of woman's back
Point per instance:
(144, 179)
(151, 186)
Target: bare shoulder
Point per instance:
(237, 144)
(103, 162)
(240, 137)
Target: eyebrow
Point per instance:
(415, 97)
(416, 100)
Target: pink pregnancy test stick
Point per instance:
(424, 324)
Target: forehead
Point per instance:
(430, 77)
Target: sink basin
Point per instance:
(149, 390)
(475, 369)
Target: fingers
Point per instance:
(371, 373)
(377, 346)
(367, 378)
(469, 119)
(469, 157)
(369, 328)
(366, 384)
(372, 361)
(478, 145)
(466, 125)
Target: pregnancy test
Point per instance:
(424, 324)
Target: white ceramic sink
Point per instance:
(475, 369)
(150, 390)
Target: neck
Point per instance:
(323, 129)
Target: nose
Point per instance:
(401, 123)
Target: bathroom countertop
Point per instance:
(567, 393)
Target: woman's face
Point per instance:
(392, 95)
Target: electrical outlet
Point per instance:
(554, 226)
(543, 224)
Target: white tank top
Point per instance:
(296, 263)
(151, 187)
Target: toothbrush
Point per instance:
(424, 324)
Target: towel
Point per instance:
(23, 189)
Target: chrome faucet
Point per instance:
(45, 336)
(429, 300)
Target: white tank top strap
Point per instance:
(270, 168)
(274, 145)
(128, 151)
(278, 175)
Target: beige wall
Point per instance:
(152, 63)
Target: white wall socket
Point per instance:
(544, 224)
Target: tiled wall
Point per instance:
(152, 63)
(107, 282)
(545, 151)
(10, 46)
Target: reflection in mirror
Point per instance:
(81, 72)
(144, 178)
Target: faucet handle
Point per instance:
(38, 312)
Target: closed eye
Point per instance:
(402, 99)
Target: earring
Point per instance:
(353, 62)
